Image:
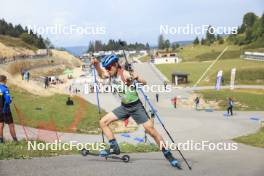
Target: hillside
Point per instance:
(40, 66)
(10, 47)
(206, 52)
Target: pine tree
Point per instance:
(161, 42)
(196, 41)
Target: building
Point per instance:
(143, 52)
(42, 52)
(165, 58)
(254, 56)
(179, 78)
(117, 52)
(132, 52)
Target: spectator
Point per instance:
(157, 97)
(25, 75)
(22, 74)
(165, 85)
(197, 101)
(5, 110)
(46, 82)
(230, 106)
(69, 102)
(70, 88)
(174, 102)
(28, 76)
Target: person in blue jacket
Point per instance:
(5, 112)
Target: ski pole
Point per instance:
(97, 97)
(162, 124)
(21, 120)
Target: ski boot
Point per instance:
(173, 161)
(114, 149)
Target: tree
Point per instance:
(91, 47)
(167, 44)
(261, 26)
(40, 42)
(27, 38)
(98, 46)
(249, 19)
(161, 42)
(210, 36)
(220, 39)
(203, 41)
(48, 43)
(196, 41)
(249, 35)
(147, 47)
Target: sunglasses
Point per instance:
(109, 67)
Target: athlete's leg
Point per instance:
(149, 127)
(1, 132)
(104, 124)
(12, 131)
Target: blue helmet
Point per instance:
(109, 59)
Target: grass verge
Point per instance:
(256, 139)
(52, 113)
(13, 150)
(244, 99)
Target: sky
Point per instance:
(130, 20)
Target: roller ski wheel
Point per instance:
(85, 152)
(125, 158)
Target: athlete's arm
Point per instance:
(7, 98)
(140, 80)
(133, 76)
(101, 72)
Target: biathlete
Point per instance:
(5, 112)
(131, 105)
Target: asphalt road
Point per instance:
(243, 162)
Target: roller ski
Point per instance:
(111, 153)
(173, 161)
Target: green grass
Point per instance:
(43, 112)
(244, 99)
(204, 52)
(229, 54)
(256, 45)
(15, 42)
(144, 58)
(12, 150)
(193, 68)
(248, 72)
(139, 148)
(256, 139)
